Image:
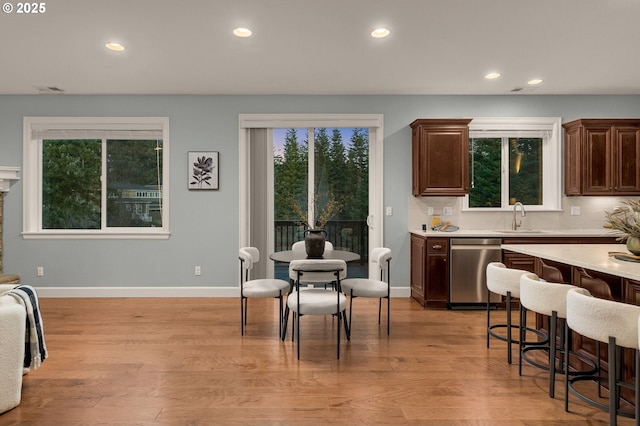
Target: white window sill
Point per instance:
(95, 235)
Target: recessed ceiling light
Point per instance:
(534, 81)
(492, 75)
(116, 47)
(380, 33)
(242, 32)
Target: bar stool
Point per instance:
(610, 322)
(548, 299)
(506, 282)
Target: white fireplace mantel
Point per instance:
(8, 175)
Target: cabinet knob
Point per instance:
(437, 247)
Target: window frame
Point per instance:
(551, 155)
(32, 176)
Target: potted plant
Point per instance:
(626, 219)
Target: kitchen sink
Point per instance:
(521, 231)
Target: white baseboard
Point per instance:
(70, 292)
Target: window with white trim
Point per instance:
(514, 159)
(87, 177)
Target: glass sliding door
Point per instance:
(321, 180)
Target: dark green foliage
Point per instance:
(341, 174)
(71, 190)
(484, 172)
(525, 184)
(485, 162)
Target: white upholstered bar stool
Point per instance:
(506, 282)
(264, 287)
(610, 322)
(548, 299)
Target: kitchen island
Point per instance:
(590, 266)
(594, 257)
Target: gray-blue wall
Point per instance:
(204, 225)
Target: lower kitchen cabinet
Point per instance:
(430, 263)
(430, 271)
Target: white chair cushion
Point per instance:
(316, 301)
(13, 319)
(363, 287)
(600, 318)
(544, 297)
(265, 288)
(501, 279)
(326, 268)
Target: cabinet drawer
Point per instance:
(438, 245)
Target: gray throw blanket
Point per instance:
(35, 349)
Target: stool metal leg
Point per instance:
(613, 387)
(553, 320)
(488, 317)
(567, 347)
(523, 334)
(509, 339)
(637, 415)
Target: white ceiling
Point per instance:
(323, 47)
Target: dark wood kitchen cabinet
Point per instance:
(440, 157)
(601, 157)
(430, 271)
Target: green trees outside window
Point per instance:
(341, 173)
(505, 165)
(72, 192)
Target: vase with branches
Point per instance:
(332, 207)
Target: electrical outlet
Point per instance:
(447, 211)
(430, 211)
(575, 210)
(40, 271)
(389, 211)
(198, 271)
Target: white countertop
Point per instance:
(598, 232)
(589, 256)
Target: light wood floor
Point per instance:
(183, 362)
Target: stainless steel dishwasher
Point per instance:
(467, 274)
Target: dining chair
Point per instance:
(613, 323)
(365, 287)
(264, 287)
(317, 301)
(299, 246)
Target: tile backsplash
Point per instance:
(591, 214)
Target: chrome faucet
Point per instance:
(515, 225)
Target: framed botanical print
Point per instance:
(203, 170)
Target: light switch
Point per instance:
(575, 210)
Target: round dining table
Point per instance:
(287, 256)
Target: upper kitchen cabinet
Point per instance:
(601, 157)
(440, 156)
